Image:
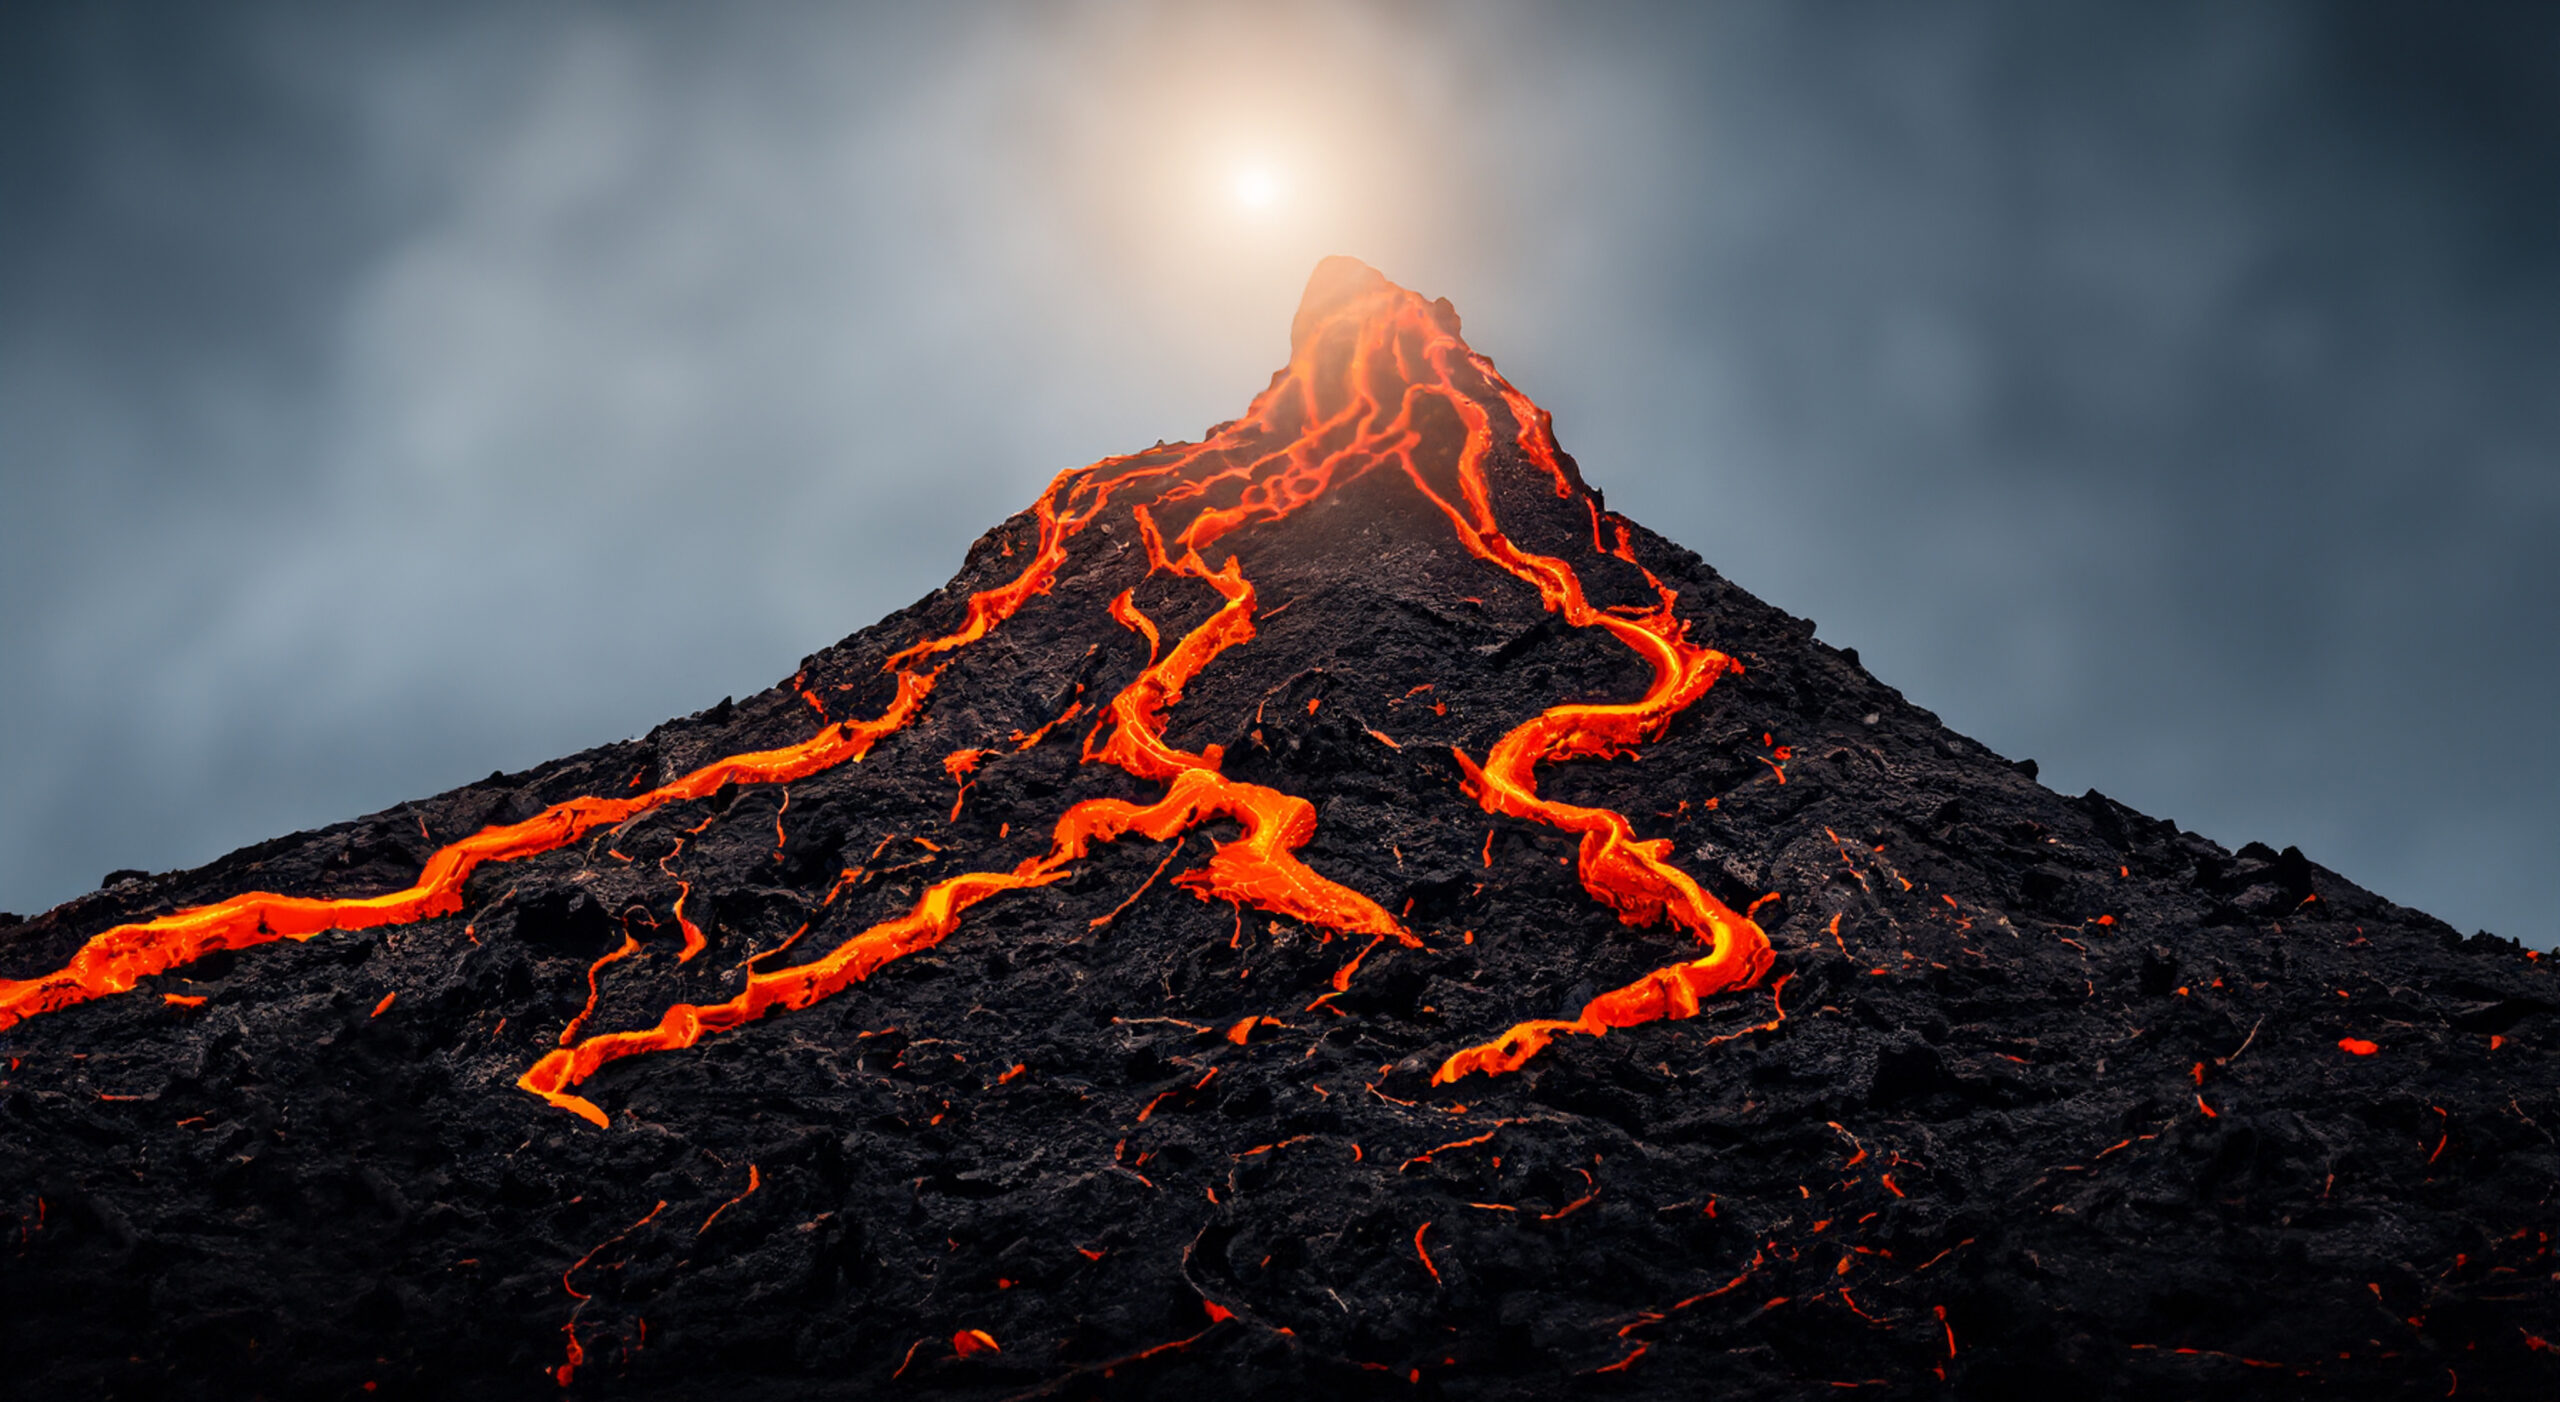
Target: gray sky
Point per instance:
(2168, 393)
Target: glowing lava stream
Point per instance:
(1397, 328)
(1617, 867)
(1318, 425)
(114, 960)
(1259, 868)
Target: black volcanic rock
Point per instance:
(2059, 1103)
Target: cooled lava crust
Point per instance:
(2025, 1095)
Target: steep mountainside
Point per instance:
(1121, 974)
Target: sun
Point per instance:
(1256, 188)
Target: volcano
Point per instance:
(1329, 909)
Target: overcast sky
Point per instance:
(2170, 393)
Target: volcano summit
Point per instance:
(1328, 907)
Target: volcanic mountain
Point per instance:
(1330, 909)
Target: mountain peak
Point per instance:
(1337, 281)
(1326, 907)
(1343, 284)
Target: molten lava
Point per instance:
(1373, 367)
(993, 1196)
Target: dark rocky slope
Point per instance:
(2058, 1102)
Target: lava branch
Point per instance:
(1620, 869)
(1405, 342)
(1334, 414)
(935, 916)
(117, 959)
(1259, 868)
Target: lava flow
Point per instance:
(117, 959)
(1257, 869)
(1370, 361)
(1346, 673)
(1619, 868)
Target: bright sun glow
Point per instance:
(1256, 187)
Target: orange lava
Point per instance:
(576, 1353)
(115, 960)
(1258, 868)
(959, 764)
(755, 1180)
(1628, 873)
(1371, 366)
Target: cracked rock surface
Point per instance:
(2060, 1103)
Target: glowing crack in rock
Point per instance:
(1372, 368)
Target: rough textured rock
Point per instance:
(2058, 1101)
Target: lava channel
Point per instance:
(1367, 359)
